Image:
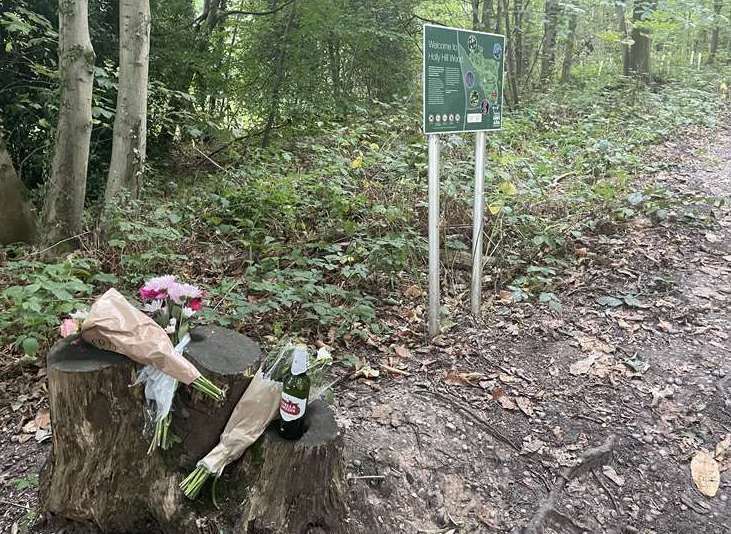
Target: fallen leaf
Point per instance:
(525, 405)
(612, 475)
(592, 344)
(665, 326)
(505, 297)
(42, 419)
(582, 366)
(532, 445)
(455, 378)
(705, 473)
(42, 434)
(413, 292)
(712, 238)
(723, 448)
(30, 427)
(402, 352)
(659, 393)
(506, 378)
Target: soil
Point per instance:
(474, 429)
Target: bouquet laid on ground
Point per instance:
(258, 406)
(156, 341)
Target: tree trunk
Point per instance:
(64, 204)
(98, 471)
(641, 47)
(568, 59)
(486, 15)
(715, 33)
(17, 222)
(622, 21)
(130, 122)
(475, 15)
(279, 78)
(550, 32)
(297, 487)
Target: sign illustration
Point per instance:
(463, 80)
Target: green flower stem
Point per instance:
(193, 483)
(161, 435)
(208, 388)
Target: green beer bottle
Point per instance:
(295, 392)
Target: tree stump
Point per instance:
(99, 471)
(229, 360)
(297, 487)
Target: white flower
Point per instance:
(171, 326)
(188, 312)
(80, 315)
(153, 306)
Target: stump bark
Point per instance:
(229, 360)
(98, 471)
(297, 487)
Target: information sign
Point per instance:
(463, 80)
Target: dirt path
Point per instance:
(490, 415)
(440, 455)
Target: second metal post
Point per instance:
(433, 235)
(477, 220)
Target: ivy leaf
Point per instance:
(632, 301)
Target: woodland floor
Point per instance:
(490, 414)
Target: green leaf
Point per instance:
(631, 301)
(30, 346)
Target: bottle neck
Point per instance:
(299, 362)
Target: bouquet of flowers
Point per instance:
(114, 324)
(258, 406)
(171, 305)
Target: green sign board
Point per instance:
(463, 80)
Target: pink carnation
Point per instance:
(180, 293)
(157, 288)
(68, 327)
(196, 304)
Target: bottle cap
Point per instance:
(299, 361)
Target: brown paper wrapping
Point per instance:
(114, 324)
(258, 407)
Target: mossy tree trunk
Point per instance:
(64, 205)
(129, 144)
(17, 222)
(640, 51)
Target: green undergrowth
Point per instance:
(315, 235)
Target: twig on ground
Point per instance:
(590, 460)
(490, 430)
(609, 493)
(55, 245)
(394, 370)
(11, 503)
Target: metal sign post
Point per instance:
(463, 92)
(434, 150)
(477, 219)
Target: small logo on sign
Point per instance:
(497, 51)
